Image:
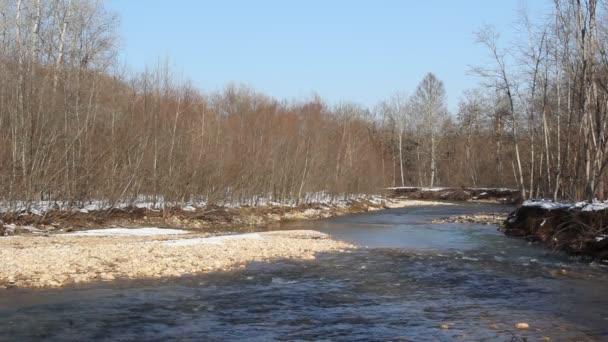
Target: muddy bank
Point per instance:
(575, 229)
(67, 259)
(490, 195)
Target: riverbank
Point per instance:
(63, 247)
(479, 195)
(205, 218)
(408, 269)
(105, 255)
(576, 228)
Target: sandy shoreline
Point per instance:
(60, 260)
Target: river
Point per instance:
(412, 278)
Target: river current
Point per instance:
(412, 280)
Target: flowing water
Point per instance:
(413, 277)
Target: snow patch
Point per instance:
(10, 228)
(551, 205)
(150, 231)
(595, 206)
(417, 188)
(546, 204)
(31, 229)
(189, 208)
(214, 240)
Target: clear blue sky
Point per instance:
(360, 51)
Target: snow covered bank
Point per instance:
(210, 218)
(46, 217)
(577, 227)
(582, 206)
(158, 203)
(496, 195)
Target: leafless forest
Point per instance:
(75, 126)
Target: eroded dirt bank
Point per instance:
(573, 229)
(28, 261)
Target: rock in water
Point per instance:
(522, 325)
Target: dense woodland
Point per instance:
(75, 126)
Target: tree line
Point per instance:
(75, 126)
(549, 99)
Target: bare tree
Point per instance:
(429, 104)
(499, 78)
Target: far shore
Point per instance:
(403, 203)
(204, 219)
